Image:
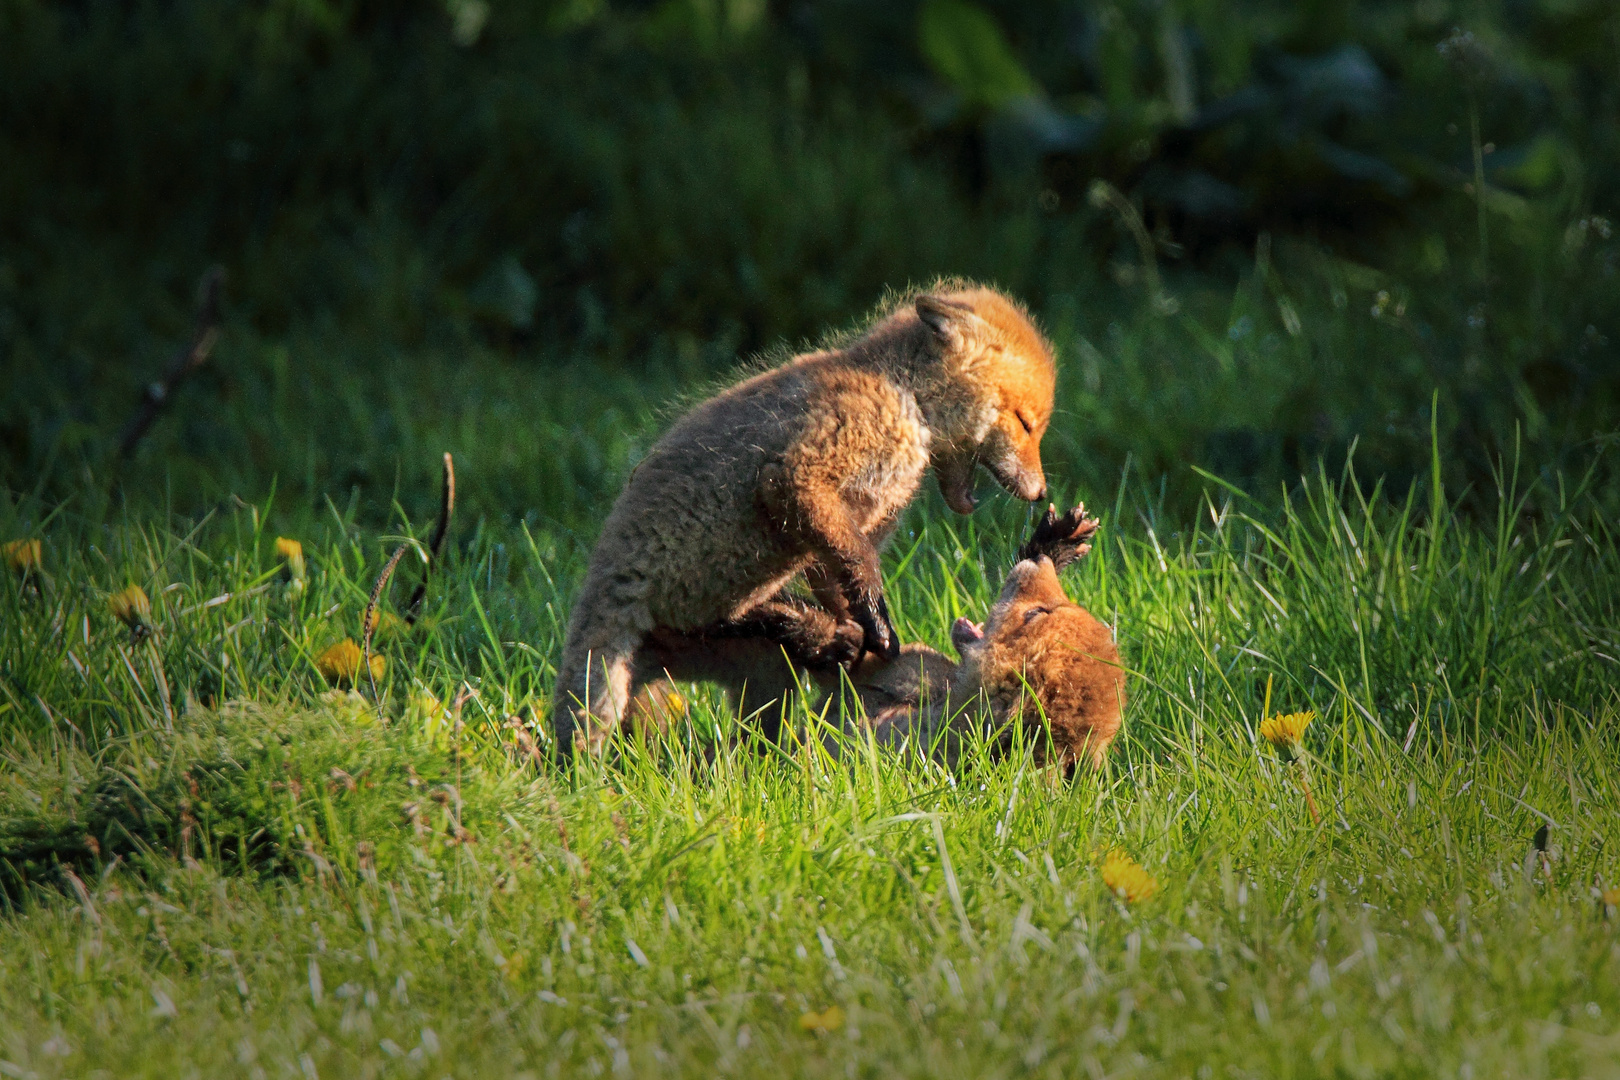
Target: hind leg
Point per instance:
(593, 687)
(754, 671)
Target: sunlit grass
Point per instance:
(678, 914)
(217, 860)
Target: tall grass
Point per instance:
(1403, 612)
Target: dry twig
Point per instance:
(155, 398)
(368, 623)
(447, 510)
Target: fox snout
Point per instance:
(1020, 478)
(1031, 487)
(1012, 452)
(966, 635)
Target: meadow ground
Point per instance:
(1330, 235)
(218, 862)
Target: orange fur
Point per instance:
(1043, 659)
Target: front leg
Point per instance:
(850, 559)
(846, 574)
(829, 594)
(879, 637)
(873, 621)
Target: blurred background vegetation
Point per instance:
(1260, 233)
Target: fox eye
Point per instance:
(1029, 428)
(1029, 616)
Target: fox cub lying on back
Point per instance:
(801, 469)
(1039, 656)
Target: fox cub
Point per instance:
(801, 469)
(1038, 656)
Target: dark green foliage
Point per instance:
(416, 204)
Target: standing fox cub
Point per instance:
(801, 469)
(1039, 658)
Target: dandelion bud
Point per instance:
(21, 555)
(429, 714)
(133, 609)
(293, 552)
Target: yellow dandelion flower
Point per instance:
(1285, 731)
(131, 607)
(674, 702)
(341, 661)
(1611, 897)
(21, 555)
(344, 662)
(829, 1020)
(1126, 878)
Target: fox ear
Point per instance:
(949, 320)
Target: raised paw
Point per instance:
(1061, 539)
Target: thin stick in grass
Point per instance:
(157, 395)
(1468, 55)
(447, 510)
(368, 623)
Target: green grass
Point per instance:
(680, 917)
(1353, 460)
(277, 880)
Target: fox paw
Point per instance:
(843, 646)
(850, 642)
(1061, 539)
